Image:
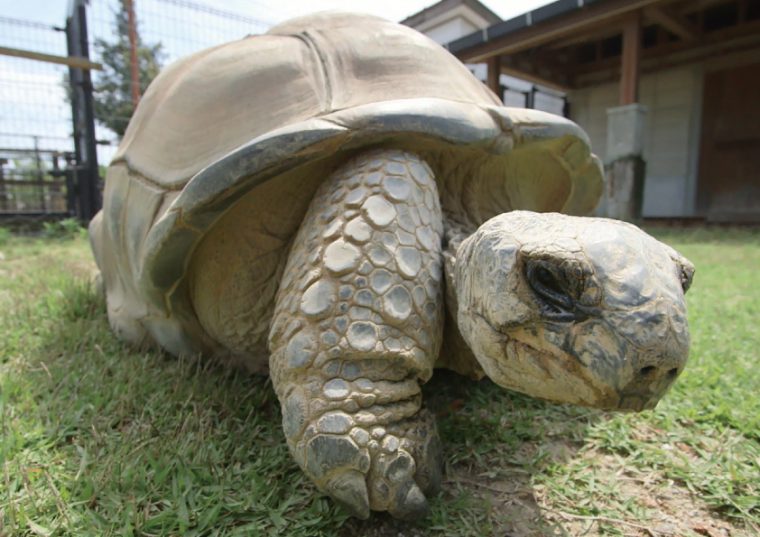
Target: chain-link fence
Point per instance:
(33, 94)
(35, 122)
(37, 139)
(33, 182)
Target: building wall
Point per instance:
(450, 30)
(674, 101)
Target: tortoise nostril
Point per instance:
(651, 372)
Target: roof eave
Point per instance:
(553, 21)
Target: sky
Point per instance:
(272, 11)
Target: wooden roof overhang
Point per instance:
(571, 44)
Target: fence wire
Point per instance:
(180, 27)
(35, 113)
(33, 106)
(36, 137)
(35, 122)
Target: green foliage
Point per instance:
(5, 236)
(113, 93)
(100, 439)
(68, 228)
(29, 167)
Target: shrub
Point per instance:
(67, 228)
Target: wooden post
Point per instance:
(494, 70)
(134, 69)
(629, 72)
(71, 61)
(625, 167)
(3, 186)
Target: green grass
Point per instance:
(97, 439)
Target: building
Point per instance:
(676, 82)
(449, 20)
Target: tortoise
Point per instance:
(302, 203)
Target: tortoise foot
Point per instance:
(367, 463)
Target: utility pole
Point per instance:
(134, 69)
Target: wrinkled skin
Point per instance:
(587, 311)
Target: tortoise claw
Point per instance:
(350, 490)
(388, 473)
(409, 504)
(363, 460)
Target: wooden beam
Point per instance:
(71, 61)
(732, 57)
(608, 30)
(672, 23)
(710, 48)
(534, 78)
(494, 70)
(594, 16)
(629, 72)
(743, 9)
(749, 32)
(698, 5)
(538, 72)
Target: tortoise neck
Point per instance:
(455, 353)
(454, 232)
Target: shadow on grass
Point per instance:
(148, 444)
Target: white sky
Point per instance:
(274, 11)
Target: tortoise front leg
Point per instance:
(356, 330)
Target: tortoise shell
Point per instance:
(259, 122)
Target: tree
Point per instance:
(113, 96)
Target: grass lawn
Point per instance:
(96, 439)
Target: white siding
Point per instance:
(671, 145)
(450, 30)
(549, 103)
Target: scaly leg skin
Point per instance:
(356, 329)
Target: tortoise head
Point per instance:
(577, 310)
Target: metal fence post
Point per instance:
(530, 98)
(83, 115)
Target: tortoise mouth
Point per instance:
(641, 396)
(562, 377)
(636, 402)
(559, 379)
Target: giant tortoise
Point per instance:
(304, 202)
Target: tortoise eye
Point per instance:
(547, 282)
(551, 290)
(687, 275)
(685, 270)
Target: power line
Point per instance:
(218, 12)
(28, 24)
